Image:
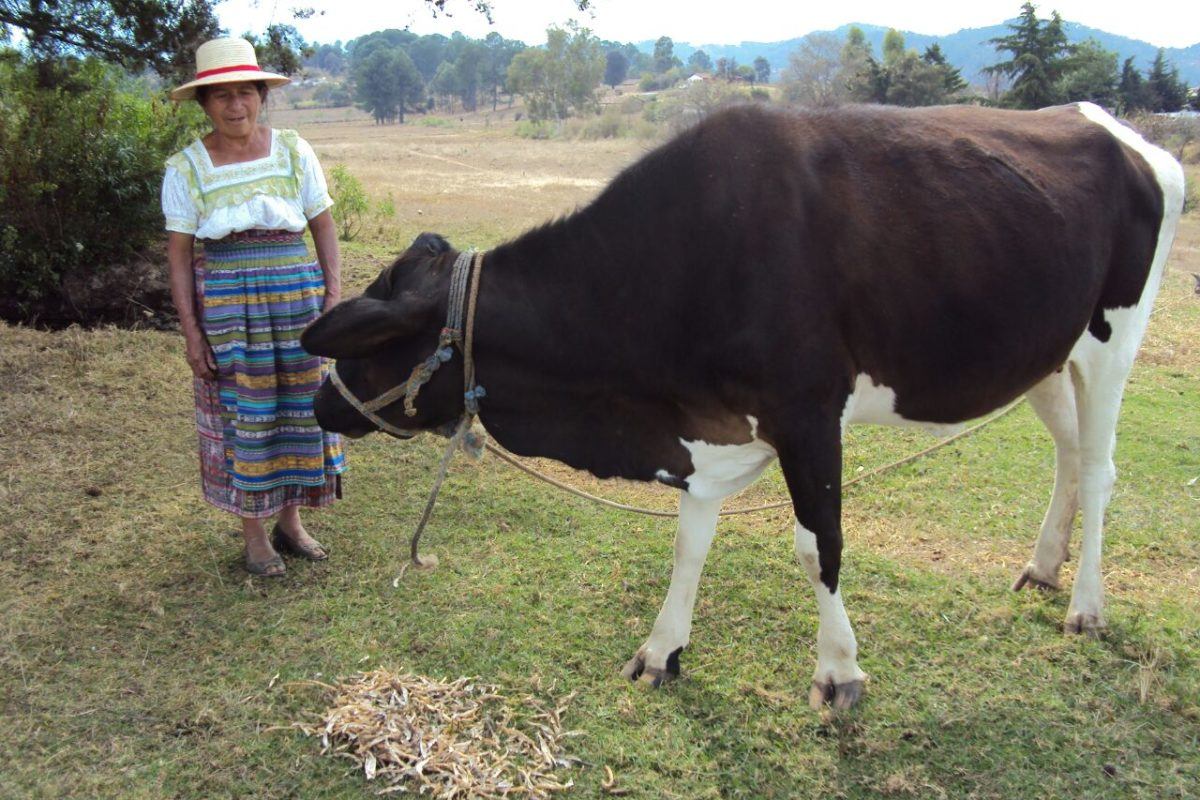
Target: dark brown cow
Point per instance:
(748, 289)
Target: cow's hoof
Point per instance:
(1027, 578)
(838, 695)
(1092, 625)
(636, 670)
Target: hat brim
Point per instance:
(188, 90)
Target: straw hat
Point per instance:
(227, 60)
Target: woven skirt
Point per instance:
(260, 446)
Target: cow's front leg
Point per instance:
(812, 465)
(837, 678)
(658, 659)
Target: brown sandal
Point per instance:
(282, 542)
(272, 567)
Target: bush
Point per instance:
(1172, 132)
(531, 129)
(349, 202)
(613, 124)
(81, 168)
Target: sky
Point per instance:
(1165, 23)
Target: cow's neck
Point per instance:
(564, 344)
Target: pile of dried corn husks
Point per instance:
(461, 739)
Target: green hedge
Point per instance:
(81, 168)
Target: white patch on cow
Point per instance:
(875, 404)
(719, 470)
(837, 649)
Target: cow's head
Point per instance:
(379, 337)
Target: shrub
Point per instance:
(1171, 132)
(613, 124)
(349, 202)
(385, 213)
(530, 129)
(81, 168)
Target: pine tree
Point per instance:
(1038, 50)
(1163, 86)
(952, 79)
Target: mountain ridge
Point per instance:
(967, 49)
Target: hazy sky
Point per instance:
(1166, 23)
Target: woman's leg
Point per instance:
(259, 550)
(293, 530)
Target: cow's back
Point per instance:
(958, 253)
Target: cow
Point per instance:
(746, 290)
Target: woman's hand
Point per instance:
(332, 298)
(200, 356)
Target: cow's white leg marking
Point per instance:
(658, 658)
(837, 675)
(1054, 401)
(718, 471)
(1098, 373)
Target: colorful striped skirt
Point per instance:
(260, 446)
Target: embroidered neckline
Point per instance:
(208, 162)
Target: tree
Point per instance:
(893, 45)
(484, 7)
(952, 80)
(664, 55)
(387, 82)
(1167, 91)
(864, 79)
(1038, 52)
(281, 49)
(814, 74)
(159, 34)
(912, 81)
(904, 78)
(616, 68)
(561, 77)
(428, 53)
(1090, 73)
(1132, 92)
(471, 60)
(445, 85)
(699, 61)
(328, 57)
(500, 52)
(762, 70)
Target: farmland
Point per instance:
(138, 660)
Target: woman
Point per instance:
(248, 191)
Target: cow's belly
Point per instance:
(875, 404)
(719, 470)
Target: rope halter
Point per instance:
(464, 291)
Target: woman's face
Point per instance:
(233, 108)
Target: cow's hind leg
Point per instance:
(1099, 383)
(658, 659)
(1054, 401)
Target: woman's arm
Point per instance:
(324, 234)
(183, 293)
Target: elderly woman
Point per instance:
(248, 192)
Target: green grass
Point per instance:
(138, 660)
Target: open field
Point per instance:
(138, 660)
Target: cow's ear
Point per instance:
(433, 243)
(358, 327)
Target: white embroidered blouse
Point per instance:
(282, 191)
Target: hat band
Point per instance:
(240, 68)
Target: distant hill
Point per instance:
(967, 49)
